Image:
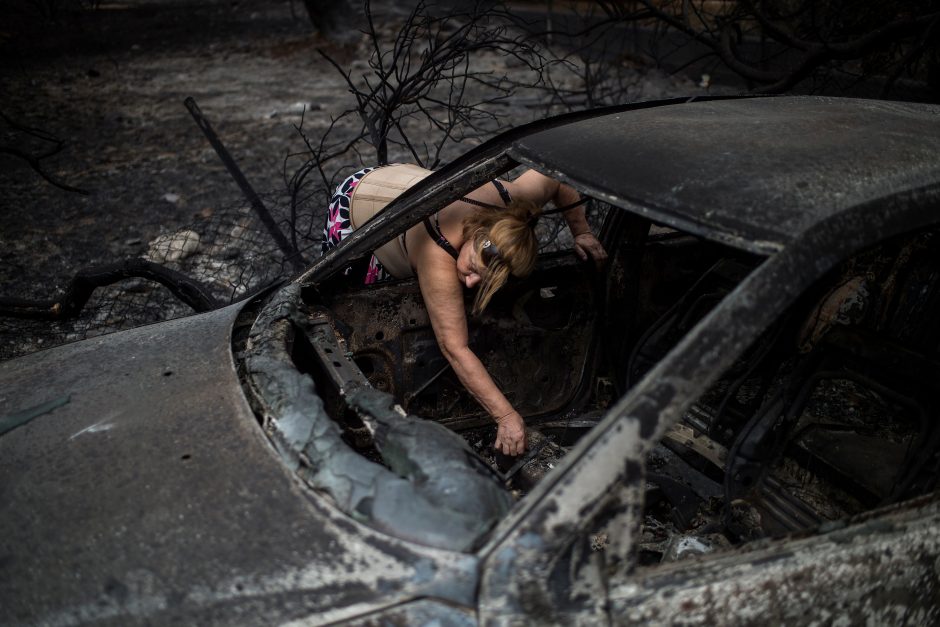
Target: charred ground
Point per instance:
(109, 83)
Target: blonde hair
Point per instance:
(511, 231)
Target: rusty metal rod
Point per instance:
(290, 253)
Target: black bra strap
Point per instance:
(435, 230)
(503, 192)
(438, 237)
(577, 203)
(480, 203)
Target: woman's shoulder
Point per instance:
(532, 186)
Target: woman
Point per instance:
(477, 241)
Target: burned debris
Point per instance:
(800, 432)
(221, 257)
(817, 420)
(809, 426)
(735, 418)
(432, 489)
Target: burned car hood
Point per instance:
(139, 487)
(753, 173)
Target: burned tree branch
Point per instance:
(80, 289)
(34, 160)
(415, 98)
(38, 169)
(791, 41)
(819, 54)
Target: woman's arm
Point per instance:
(539, 189)
(443, 297)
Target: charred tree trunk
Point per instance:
(334, 19)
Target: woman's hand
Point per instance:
(510, 436)
(586, 245)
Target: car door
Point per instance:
(535, 340)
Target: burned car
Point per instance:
(731, 423)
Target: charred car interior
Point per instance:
(827, 413)
(734, 422)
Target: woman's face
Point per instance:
(469, 268)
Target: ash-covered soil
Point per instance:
(110, 83)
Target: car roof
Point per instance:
(754, 173)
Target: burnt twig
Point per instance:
(415, 98)
(34, 160)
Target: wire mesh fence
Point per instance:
(552, 231)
